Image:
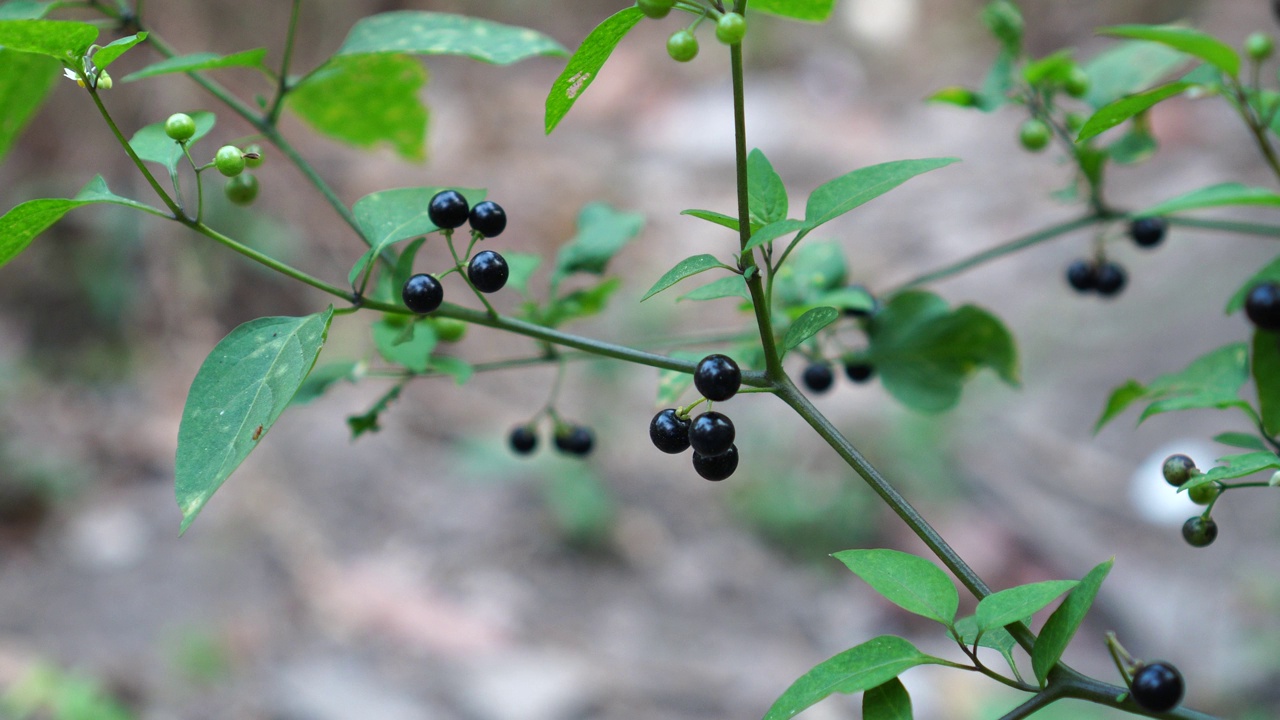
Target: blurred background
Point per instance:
(423, 572)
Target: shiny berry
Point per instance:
(574, 440)
(488, 271)
(859, 372)
(1204, 494)
(448, 209)
(180, 127)
(682, 46)
(711, 433)
(1262, 305)
(1199, 531)
(523, 440)
(717, 377)
(1035, 135)
(422, 293)
(1177, 469)
(229, 160)
(1157, 687)
(669, 432)
(488, 218)
(716, 467)
(1111, 279)
(242, 189)
(731, 28)
(656, 9)
(1082, 275)
(1148, 231)
(818, 377)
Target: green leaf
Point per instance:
(887, 701)
(602, 232)
(771, 232)
(924, 352)
(956, 95)
(434, 33)
(999, 639)
(1063, 623)
(1211, 381)
(408, 345)
(1117, 112)
(457, 368)
(812, 271)
(237, 395)
(860, 668)
(364, 100)
(1269, 272)
(767, 196)
(25, 81)
(1235, 466)
(998, 83)
(198, 62)
(1214, 196)
(520, 268)
(807, 10)
(1135, 146)
(61, 39)
(839, 196)
(1266, 377)
(581, 303)
(853, 297)
(1017, 603)
(1122, 397)
(324, 377)
(808, 325)
(688, 267)
(714, 217)
(24, 9)
(1128, 68)
(22, 224)
(1055, 68)
(1184, 39)
(153, 145)
(1004, 20)
(586, 62)
(1241, 440)
(389, 216)
(112, 52)
(912, 583)
(733, 285)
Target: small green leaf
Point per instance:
(237, 395)
(389, 216)
(1269, 273)
(999, 639)
(1184, 39)
(714, 217)
(673, 383)
(771, 232)
(153, 145)
(110, 53)
(586, 63)
(408, 345)
(1214, 196)
(1266, 377)
(955, 95)
(1235, 466)
(912, 583)
(1241, 440)
(729, 286)
(1117, 112)
(688, 267)
(808, 325)
(812, 271)
(198, 62)
(602, 232)
(806, 10)
(434, 33)
(25, 81)
(767, 196)
(1063, 623)
(520, 268)
(364, 100)
(1017, 603)
(1122, 397)
(1135, 146)
(998, 83)
(1127, 68)
(324, 377)
(860, 668)
(581, 303)
(1004, 20)
(457, 368)
(24, 9)
(61, 39)
(854, 298)
(888, 701)
(839, 196)
(1212, 380)
(1055, 68)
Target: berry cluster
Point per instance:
(1198, 530)
(1108, 278)
(710, 434)
(230, 161)
(818, 376)
(487, 270)
(682, 46)
(569, 438)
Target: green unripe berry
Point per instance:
(1178, 469)
(253, 156)
(1259, 46)
(229, 160)
(448, 329)
(656, 9)
(1204, 494)
(242, 189)
(1075, 121)
(682, 46)
(731, 28)
(1077, 82)
(1035, 135)
(180, 127)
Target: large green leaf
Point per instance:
(364, 100)
(912, 583)
(1018, 603)
(61, 39)
(839, 196)
(807, 10)
(687, 267)
(198, 62)
(1212, 380)
(860, 668)
(602, 232)
(1127, 68)
(1117, 112)
(153, 145)
(1184, 39)
(767, 196)
(433, 33)
(1214, 196)
(1063, 623)
(1266, 377)
(22, 224)
(237, 395)
(887, 701)
(586, 63)
(25, 82)
(808, 325)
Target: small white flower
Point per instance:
(73, 75)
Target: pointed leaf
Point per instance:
(1235, 466)
(61, 39)
(602, 232)
(811, 272)
(839, 196)
(434, 33)
(408, 345)
(729, 286)
(153, 145)
(1214, 196)
(1212, 380)
(1129, 67)
(688, 267)
(25, 81)
(808, 325)
(1266, 377)
(110, 53)
(1063, 623)
(324, 377)
(586, 63)
(237, 395)
(806, 10)
(912, 583)
(771, 232)
(1241, 440)
(767, 196)
(1117, 112)
(1122, 397)
(1184, 39)
(714, 217)
(889, 701)
(198, 62)
(1017, 603)
(956, 95)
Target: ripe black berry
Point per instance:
(488, 218)
(447, 209)
(669, 432)
(1262, 305)
(1199, 531)
(488, 271)
(716, 467)
(1157, 687)
(711, 433)
(422, 293)
(1177, 469)
(1111, 279)
(523, 440)
(717, 377)
(859, 372)
(1082, 275)
(574, 440)
(1148, 231)
(818, 377)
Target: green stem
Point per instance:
(267, 260)
(1254, 122)
(115, 130)
(1038, 702)
(282, 88)
(457, 263)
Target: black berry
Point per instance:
(488, 271)
(1082, 275)
(1262, 305)
(523, 440)
(447, 209)
(711, 433)
(669, 432)
(1177, 469)
(488, 218)
(1157, 687)
(422, 293)
(818, 377)
(859, 372)
(717, 377)
(574, 440)
(1199, 531)
(1148, 231)
(716, 467)
(1111, 279)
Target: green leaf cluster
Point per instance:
(1211, 381)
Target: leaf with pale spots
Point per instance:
(435, 33)
(586, 62)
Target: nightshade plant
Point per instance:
(915, 344)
